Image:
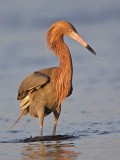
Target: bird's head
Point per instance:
(60, 28)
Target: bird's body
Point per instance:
(43, 91)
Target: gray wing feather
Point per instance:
(31, 83)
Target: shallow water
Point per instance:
(89, 125)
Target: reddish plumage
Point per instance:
(43, 91)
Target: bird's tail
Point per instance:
(20, 116)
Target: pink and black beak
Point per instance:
(77, 37)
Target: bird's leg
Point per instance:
(56, 113)
(41, 119)
(41, 126)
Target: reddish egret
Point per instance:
(43, 91)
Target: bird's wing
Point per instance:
(31, 83)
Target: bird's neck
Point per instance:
(63, 75)
(65, 65)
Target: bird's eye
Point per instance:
(70, 31)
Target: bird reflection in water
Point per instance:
(50, 150)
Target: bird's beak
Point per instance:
(82, 42)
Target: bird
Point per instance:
(43, 91)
